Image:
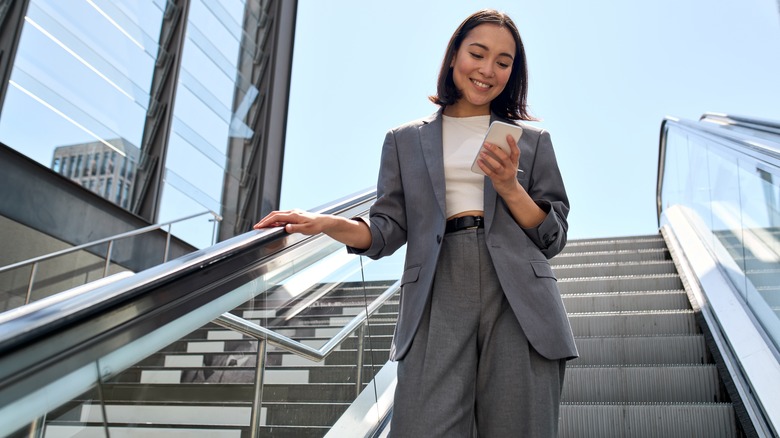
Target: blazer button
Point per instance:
(438, 238)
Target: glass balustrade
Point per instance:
(728, 183)
(193, 377)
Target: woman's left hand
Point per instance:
(500, 167)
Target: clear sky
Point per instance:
(603, 75)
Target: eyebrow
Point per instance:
(484, 47)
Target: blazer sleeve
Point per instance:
(547, 190)
(387, 217)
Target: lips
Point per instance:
(481, 85)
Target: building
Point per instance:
(163, 109)
(107, 169)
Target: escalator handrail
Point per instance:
(742, 121)
(20, 326)
(758, 148)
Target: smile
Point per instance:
(480, 84)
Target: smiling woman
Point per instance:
(482, 336)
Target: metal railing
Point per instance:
(264, 335)
(141, 314)
(36, 261)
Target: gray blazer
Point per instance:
(410, 209)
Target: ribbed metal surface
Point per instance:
(712, 420)
(605, 269)
(624, 301)
(629, 255)
(619, 283)
(644, 369)
(632, 243)
(678, 322)
(645, 350)
(641, 384)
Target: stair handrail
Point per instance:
(264, 335)
(35, 261)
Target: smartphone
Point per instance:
(496, 135)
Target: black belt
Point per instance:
(465, 222)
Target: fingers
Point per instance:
(497, 160)
(278, 219)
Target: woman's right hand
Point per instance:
(296, 221)
(354, 233)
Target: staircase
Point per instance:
(644, 368)
(202, 385)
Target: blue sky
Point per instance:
(603, 75)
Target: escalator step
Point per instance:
(626, 301)
(711, 420)
(619, 283)
(681, 322)
(643, 384)
(617, 268)
(574, 258)
(646, 350)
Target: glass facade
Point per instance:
(84, 99)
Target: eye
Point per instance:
(504, 65)
(476, 55)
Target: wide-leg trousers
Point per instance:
(471, 371)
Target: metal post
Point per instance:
(359, 373)
(36, 428)
(30, 284)
(257, 403)
(213, 221)
(167, 244)
(108, 258)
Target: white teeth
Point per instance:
(480, 84)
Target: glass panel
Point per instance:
(204, 120)
(735, 198)
(69, 406)
(726, 224)
(760, 188)
(204, 381)
(84, 71)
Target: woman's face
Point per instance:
(481, 69)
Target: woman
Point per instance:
(482, 335)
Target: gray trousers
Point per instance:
(470, 370)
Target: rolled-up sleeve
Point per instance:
(546, 188)
(387, 217)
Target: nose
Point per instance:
(486, 69)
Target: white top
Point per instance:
(461, 140)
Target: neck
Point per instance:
(459, 110)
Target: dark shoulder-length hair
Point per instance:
(512, 102)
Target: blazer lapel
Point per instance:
(431, 143)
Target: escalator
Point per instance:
(678, 332)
